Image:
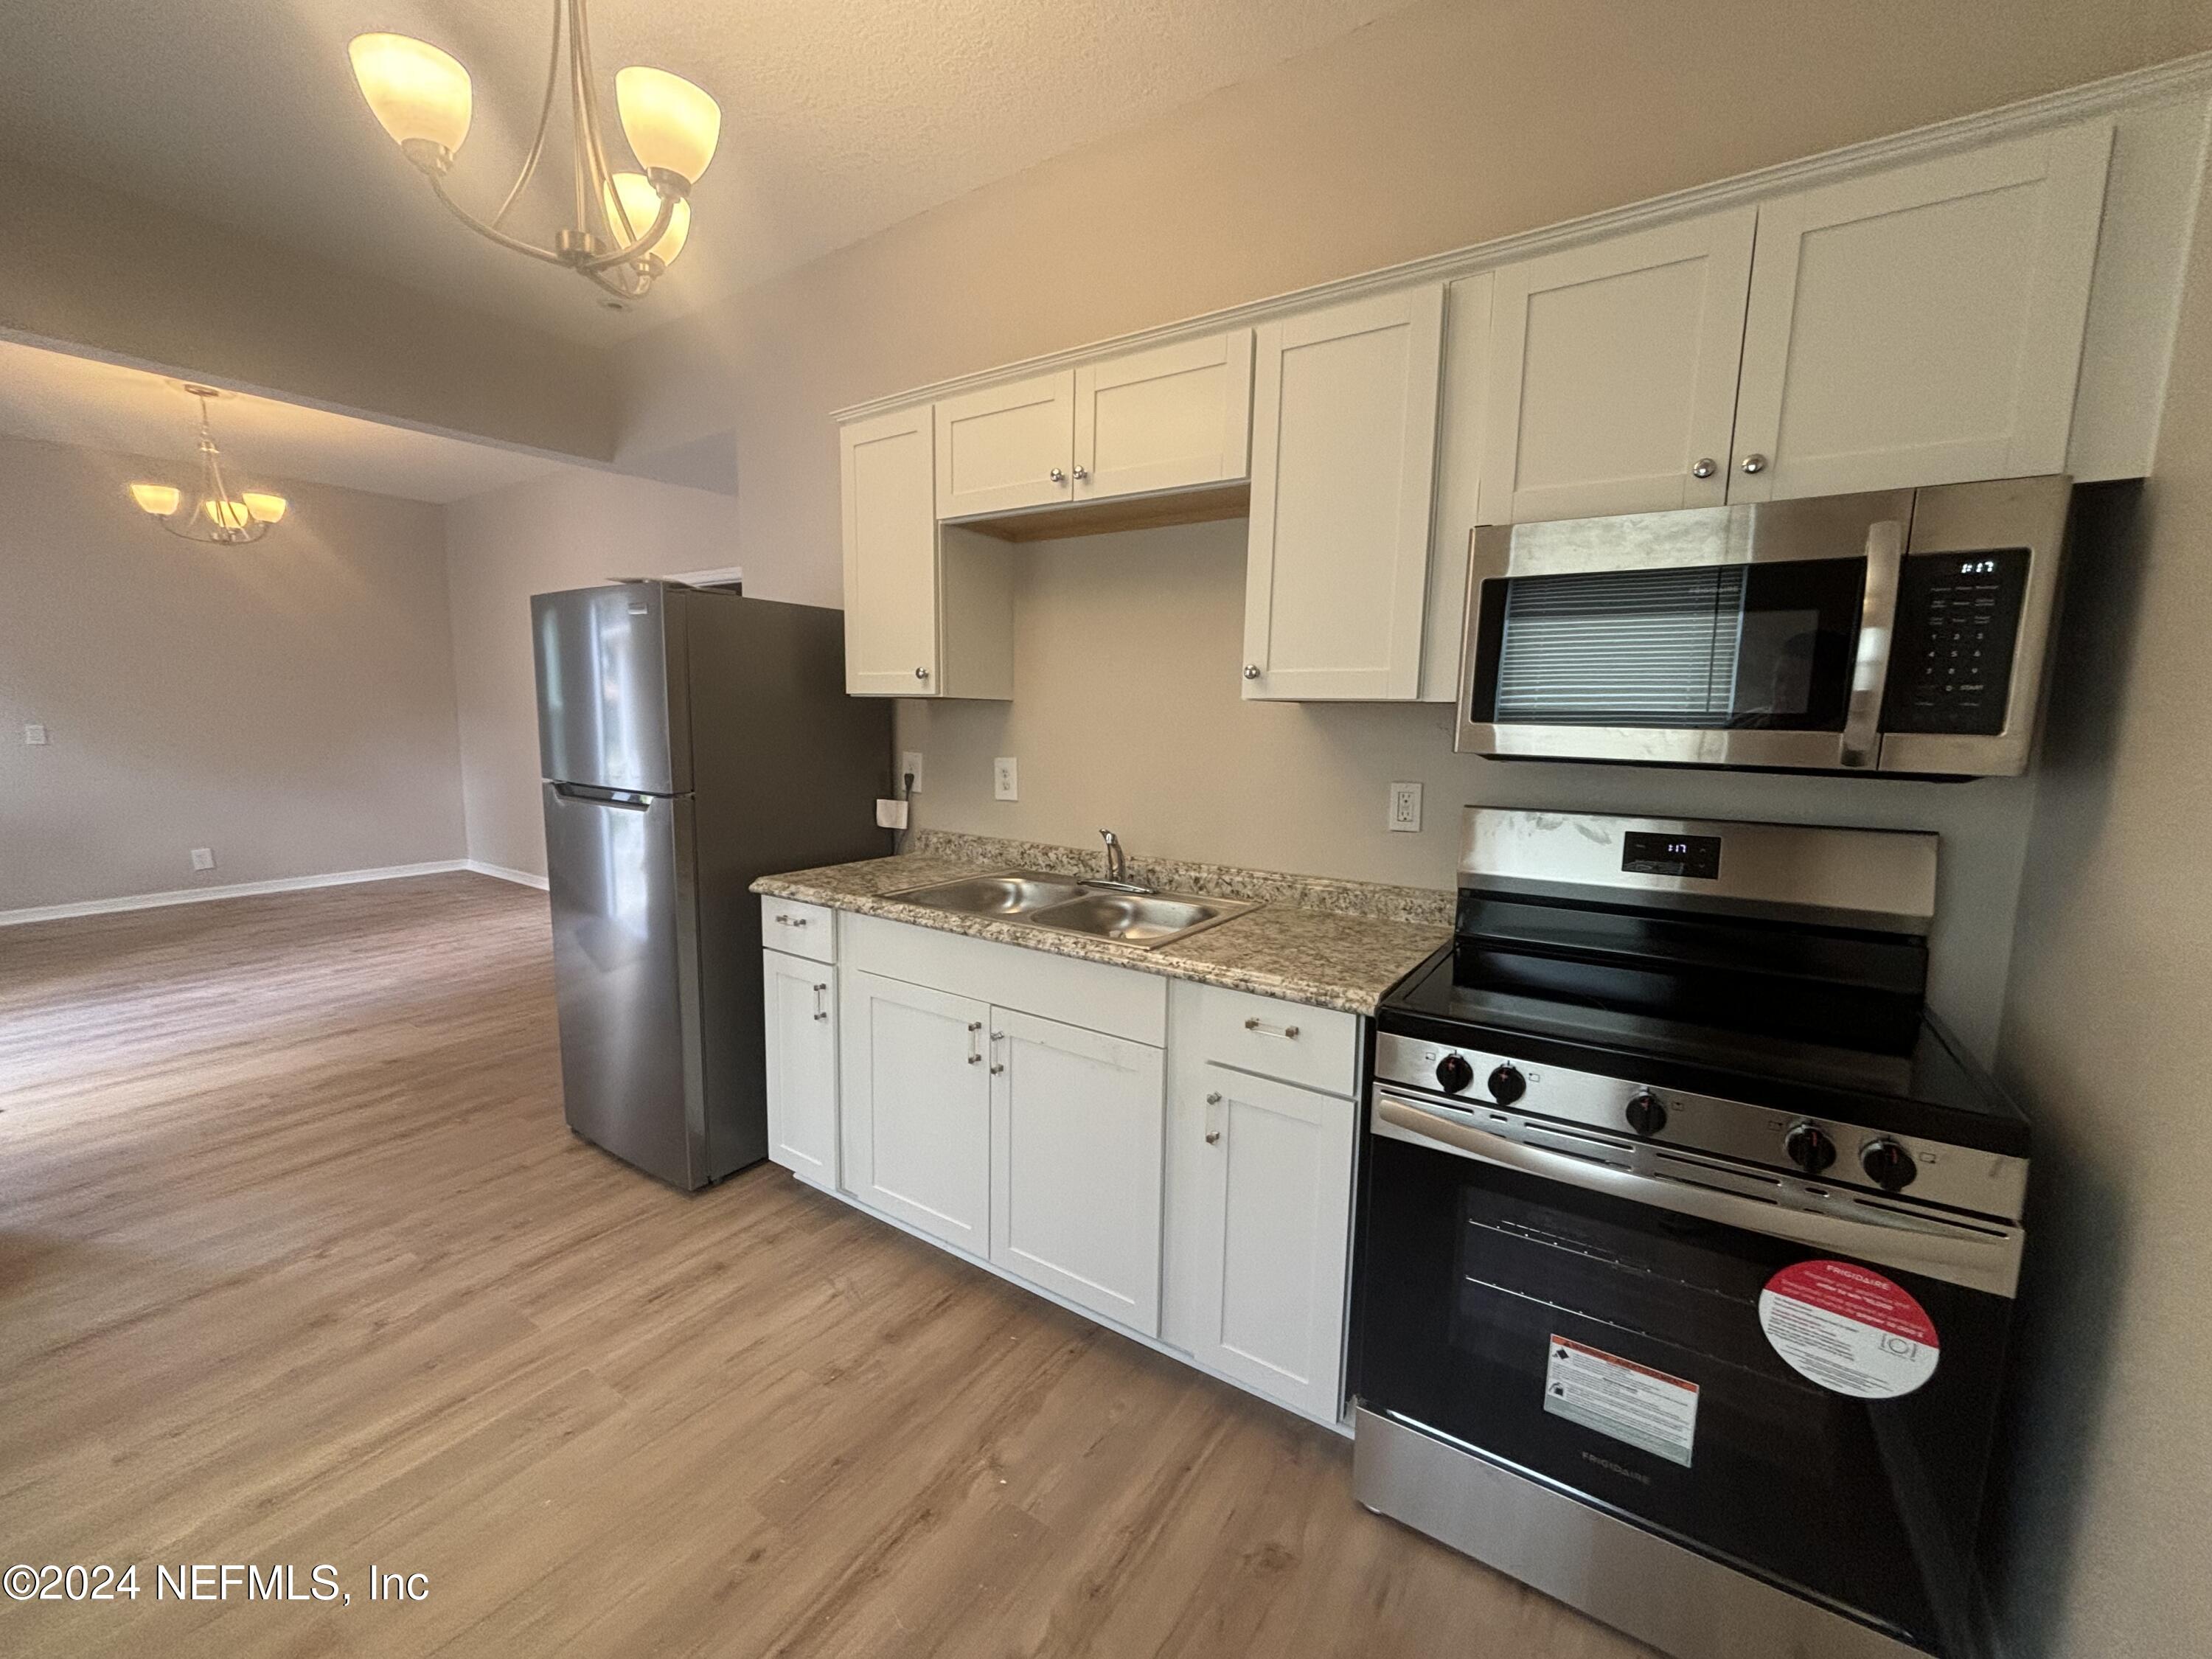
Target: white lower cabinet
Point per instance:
(800, 1004)
(1174, 1158)
(916, 1104)
(1075, 1165)
(1261, 1223)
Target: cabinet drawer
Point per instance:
(1095, 996)
(1314, 1048)
(804, 930)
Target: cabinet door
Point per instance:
(1165, 419)
(1006, 446)
(890, 555)
(801, 1028)
(1922, 324)
(1075, 1165)
(917, 1100)
(1272, 1197)
(1611, 373)
(1343, 431)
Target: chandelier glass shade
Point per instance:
(217, 514)
(627, 226)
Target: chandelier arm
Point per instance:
(619, 228)
(438, 187)
(544, 121)
(644, 282)
(642, 247)
(580, 104)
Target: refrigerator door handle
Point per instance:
(596, 797)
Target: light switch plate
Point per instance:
(1004, 785)
(34, 733)
(1405, 811)
(203, 857)
(910, 767)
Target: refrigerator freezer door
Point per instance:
(612, 687)
(625, 972)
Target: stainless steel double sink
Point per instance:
(1068, 904)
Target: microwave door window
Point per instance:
(1741, 646)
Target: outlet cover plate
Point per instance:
(1405, 808)
(910, 767)
(203, 857)
(1006, 783)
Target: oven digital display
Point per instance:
(1645, 854)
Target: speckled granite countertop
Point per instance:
(1329, 943)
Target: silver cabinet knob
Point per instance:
(922, 673)
(1213, 1138)
(1251, 671)
(1705, 467)
(1081, 473)
(1754, 463)
(1059, 476)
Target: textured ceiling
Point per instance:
(98, 405)
(839, 117)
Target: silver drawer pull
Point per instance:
(1290, 1031)
(782, 920)
(821, 1008)
(1212, 1136)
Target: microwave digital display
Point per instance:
(1645, 854)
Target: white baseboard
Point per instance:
(519, 878)
(247, 889)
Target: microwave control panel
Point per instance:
(1950, 660)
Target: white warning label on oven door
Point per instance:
(1648, 1409)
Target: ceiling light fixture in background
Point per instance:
(627, 226)
(216, 516)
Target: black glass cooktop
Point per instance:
(1898, 1071)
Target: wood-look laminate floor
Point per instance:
(299, 1265)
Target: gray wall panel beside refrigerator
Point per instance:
(691, 741)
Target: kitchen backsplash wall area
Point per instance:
(1126, 715)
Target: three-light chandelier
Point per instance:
(628, 227)
(216, 515)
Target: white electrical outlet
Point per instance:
(1405, 807)
(910, 769)
(34, 733)
(1004, 784)
(203, 857)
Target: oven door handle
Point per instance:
(1981, 1258)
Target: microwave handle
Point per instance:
(1885, 553)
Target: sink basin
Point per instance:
(1068, 905)
(1014, 893)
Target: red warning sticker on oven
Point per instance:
(1850, 1330)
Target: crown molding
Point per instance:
(2159, 83)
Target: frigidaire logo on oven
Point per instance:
(1618, 1468)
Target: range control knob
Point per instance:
(1454, 1073)
(1809, 1147)
(1887, 1164)
(1507, 1085)
(1645, 1114)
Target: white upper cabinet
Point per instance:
(1172, 418)
(1343, 465)
(1075, 1165)
(890, 555)
(1611, 373)
(1007, 447)
(1921, 325)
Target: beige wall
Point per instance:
(289, 704)
(1127, 713)
(2105, 1550)
(503, 546)
(92, 271)
(1442, 125)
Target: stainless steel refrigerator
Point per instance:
(690, 740)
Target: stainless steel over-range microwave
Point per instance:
(1902, 632)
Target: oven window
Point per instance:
(1737, 646)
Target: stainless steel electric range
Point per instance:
(1688, 1238)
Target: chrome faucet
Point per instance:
(1117, 868)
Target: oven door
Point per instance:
(1670, 1351)
(1748, 635)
